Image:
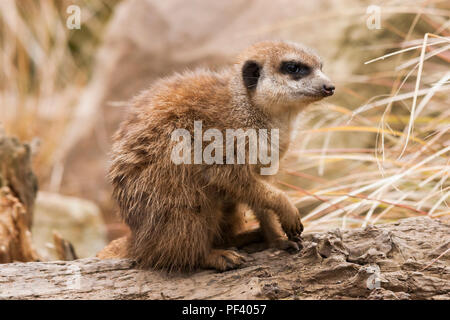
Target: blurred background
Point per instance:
(375, 152)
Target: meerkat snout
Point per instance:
(328, 89)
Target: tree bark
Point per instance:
(15, 237)
(404, 260)
(16, 172)
(18, 188)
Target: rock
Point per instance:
(76, 220)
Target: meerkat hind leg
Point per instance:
(247, 237)
(223, 260)
(233, 232)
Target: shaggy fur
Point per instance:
(184, 216)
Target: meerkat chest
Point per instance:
(287, 132)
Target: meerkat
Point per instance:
(187, 216)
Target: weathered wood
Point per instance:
(64, 249)
(15, 237)
(16, 172)
(393, 261)
(18, 187)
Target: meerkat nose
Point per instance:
(328, 89)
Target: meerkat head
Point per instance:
(282, 75)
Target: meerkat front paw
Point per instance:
(292, 225)
(223, 260)
(291, 246)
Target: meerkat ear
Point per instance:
(250, 74)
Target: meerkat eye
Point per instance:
(292, 68)
(295, 68)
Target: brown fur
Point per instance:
(183, 216)
(116, 249)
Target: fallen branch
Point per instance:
(389, 261)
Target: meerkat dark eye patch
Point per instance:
(296, 69)
(250, 74)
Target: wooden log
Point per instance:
(18, 188)
(64, 249)
(15, 237)
(16, 172)
(405, 260)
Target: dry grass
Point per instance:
(45, 66)
(404, 171)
